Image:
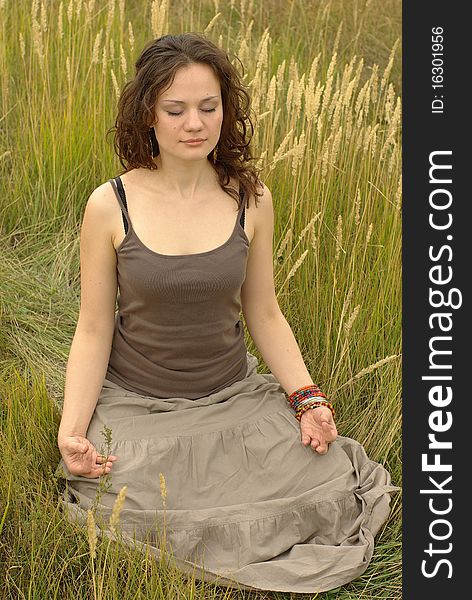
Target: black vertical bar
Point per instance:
(436, 304)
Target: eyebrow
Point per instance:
(182, 102)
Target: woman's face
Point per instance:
(191, 108)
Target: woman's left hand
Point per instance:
(318, 429)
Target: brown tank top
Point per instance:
(177, 329)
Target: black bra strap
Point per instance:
(241, 219)
(121, 191)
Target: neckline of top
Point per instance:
(206, 252)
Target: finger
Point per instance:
(315, 443)
(102, 466)
(100, 470)
(107, 456)
(105, 468)
(83, 471)
(323, 445)
(95, 473)
(94, 470)
(305, 439)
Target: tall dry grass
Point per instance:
(324, 79)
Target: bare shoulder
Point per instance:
(262, 210)
(102, 211)
(262, 202)
(265, 201)
(102, 200)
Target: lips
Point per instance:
(195, 140)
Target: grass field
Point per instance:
(325, 81)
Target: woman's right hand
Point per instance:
(81, 457)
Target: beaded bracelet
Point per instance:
(314, 404)
(303, 399)
(309, 391)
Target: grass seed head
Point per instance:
(131, 37)
(297, 265)
(89, 10)
(60, 22)
(280, 78)
(271, 94)
(309, 226)
(211, 24)
(110, 17)
(70, 11)
(283, 244)
(91, 533)
(96, 47)
(124, 65)
(352, 317)
(115, 84)
(398, 195)
(22, 46)
(388, 68)
(357, 211)
(68, 73)
(117, 507)
(104, 59)
(163, 488)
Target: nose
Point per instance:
(193, 121)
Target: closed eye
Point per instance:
(209, 110)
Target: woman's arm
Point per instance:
(265, 322)
(270, 331)
(91, 345)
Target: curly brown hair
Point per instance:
(135, 141)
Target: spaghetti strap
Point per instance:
(241, 218)
(119, 190)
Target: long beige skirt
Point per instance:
(246, 504)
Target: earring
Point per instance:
(153, 142)
(215, 155)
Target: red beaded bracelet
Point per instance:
(305, 392)
(301, 400)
